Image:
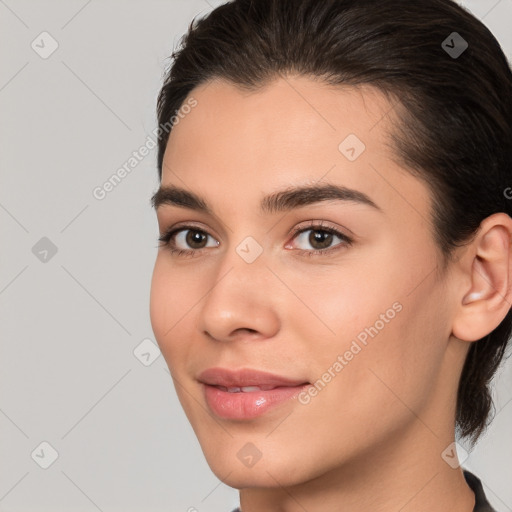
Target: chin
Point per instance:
(270, 470)
(265, 476)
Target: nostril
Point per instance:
(245, 330)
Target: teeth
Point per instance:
(243, 389)
(248, 389)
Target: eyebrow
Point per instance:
(281, 201)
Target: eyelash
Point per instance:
(166, 240)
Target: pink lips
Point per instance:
(246, 393)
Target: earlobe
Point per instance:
(489, 297)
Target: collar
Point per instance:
(481, 502)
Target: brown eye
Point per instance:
(196, 239)
(320, 239)
(187, 240)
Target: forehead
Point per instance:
(286, 109)
(293, 131)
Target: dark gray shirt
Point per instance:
(481, 503)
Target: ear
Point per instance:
(487, 266)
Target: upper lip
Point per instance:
(245, 377)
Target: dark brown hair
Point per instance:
(454, 107)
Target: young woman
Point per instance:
(332, 292)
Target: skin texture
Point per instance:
(384, 420)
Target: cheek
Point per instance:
(172, 299)
(337, 306)
(160, 303)
(378, 320)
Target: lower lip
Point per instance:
(241, 406)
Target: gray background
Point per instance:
(71, 323)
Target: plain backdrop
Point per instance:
(83, 388)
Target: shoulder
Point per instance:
(481, 502)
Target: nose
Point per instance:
(240, 303)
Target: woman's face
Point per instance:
(333, 291)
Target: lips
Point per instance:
(245, 378)
(246, 393)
